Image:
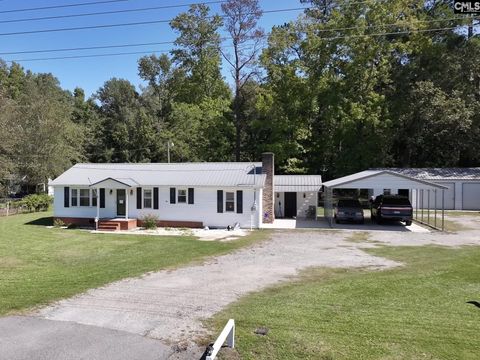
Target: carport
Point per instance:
(424, 194)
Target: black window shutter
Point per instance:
(139, 198)
(240, 202)
(155, 198)
(173, 196)
(191, 196)
(219, 201)
(66, 196)
(102, 198)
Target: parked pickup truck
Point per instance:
(392, 207)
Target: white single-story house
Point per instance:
(119, 196)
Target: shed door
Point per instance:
(290, 204)
(471, 196)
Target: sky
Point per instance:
(91, 73)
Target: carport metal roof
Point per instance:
(375, 178)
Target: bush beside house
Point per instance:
(35, 202)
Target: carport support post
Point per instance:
(416, 204)
(428, 205)
(443, 210)
(422, 194)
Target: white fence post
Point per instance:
(228, 335)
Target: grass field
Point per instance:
(418, 311)
(38, 265)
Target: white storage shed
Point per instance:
(463, 184)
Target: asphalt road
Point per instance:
(27, 338)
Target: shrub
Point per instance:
(58, 223)
(149, 222)
(37, 202)
(15, 204)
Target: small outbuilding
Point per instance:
(463, 184)
(296, 196)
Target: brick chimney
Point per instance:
(268, 168)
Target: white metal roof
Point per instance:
(363, 180)
(439, 173)
(297, 183)
(187, 174)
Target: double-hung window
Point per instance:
(147, 199)
(84, 197)
(74, 197)
(229, 201)
(182, 196)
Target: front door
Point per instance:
(121, 202)
(290, 205)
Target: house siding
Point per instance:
(303, 203)
(203, 210)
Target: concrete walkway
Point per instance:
(321, 223)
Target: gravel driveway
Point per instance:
(170, 305)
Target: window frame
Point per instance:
(144, 198)
(80, 197)
(74, 198)
(232, 201)
(184, 196)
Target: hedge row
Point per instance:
(34, 202)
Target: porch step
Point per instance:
(109, 222)
(108, 227)
(116, 225)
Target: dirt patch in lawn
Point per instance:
(10, 262)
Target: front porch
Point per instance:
(116, 224)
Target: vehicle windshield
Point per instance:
(348, 203)
(396, 200)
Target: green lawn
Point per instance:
(38, 265)
(414, 312)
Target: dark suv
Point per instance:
(392, 207)
(349, 210)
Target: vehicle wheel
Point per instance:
(408, 222)
(337, 221)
